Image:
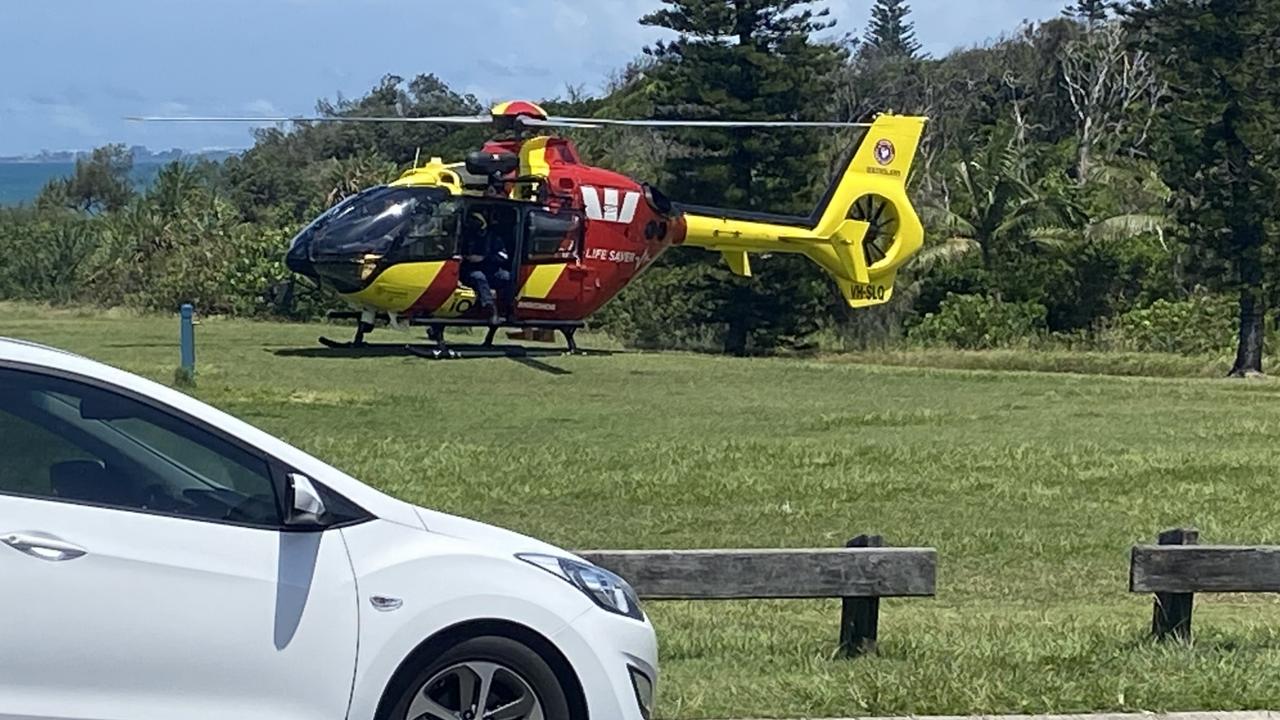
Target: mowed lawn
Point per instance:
(1031, 486)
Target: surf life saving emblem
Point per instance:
(885, 152)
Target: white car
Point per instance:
(160, 559)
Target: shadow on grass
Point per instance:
(520, 353)
(141, 345)
(541, 366)
(1206, 642)
(353, 353)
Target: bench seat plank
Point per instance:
(774, 574)
(1204, 568)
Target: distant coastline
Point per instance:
(21, 182)
(22, 177)
(141, 156)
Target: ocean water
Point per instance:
(21, 182)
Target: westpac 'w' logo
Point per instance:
(603, 204)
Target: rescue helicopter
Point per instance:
(573, 236)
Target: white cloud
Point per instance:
(262, 106)
(173, 107)
(486, 94)
(69, 117)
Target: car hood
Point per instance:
(494, 539)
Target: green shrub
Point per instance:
(44, 254)
(225, 272)
(977, 322)
(1203, 324)
(661, 310)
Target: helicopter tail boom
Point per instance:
(862, 233)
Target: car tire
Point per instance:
(513, 666)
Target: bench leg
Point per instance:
(1171, 616)
(859, 625)
(860, 616)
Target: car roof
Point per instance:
(18, 345)
(46, 356)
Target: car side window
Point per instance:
(29, 452)
(73, 442)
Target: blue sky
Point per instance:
(71, 69)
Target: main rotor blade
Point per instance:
(442, 120)
(562, 122)
(707, 123)
(557, 122)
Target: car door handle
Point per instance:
(42, 546)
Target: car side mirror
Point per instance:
(305, 507)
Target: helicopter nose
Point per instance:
(298, 259)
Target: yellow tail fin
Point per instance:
(862, 232)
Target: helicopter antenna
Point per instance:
(416, 154)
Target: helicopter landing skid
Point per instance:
(443, 351)
(355, 343)
(340, 345)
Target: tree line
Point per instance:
(1104, 179)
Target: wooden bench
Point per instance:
(860, 573)
(1178, 567)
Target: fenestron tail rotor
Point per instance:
(881, 217)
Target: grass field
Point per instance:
(1031, 486)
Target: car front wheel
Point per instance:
(485, 678)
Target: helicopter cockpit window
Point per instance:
(375, 223)
(431, 235)
(362, 235)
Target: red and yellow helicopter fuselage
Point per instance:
(576, 235)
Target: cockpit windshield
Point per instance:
(378, 222)
(353, 240)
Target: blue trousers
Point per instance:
(486, 283)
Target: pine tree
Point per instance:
(1089, 11)
(890, 34)
(747, 60)
(1218, 141)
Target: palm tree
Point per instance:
(993, 207)
(350, 175)
(1140, 201)
(175, 186)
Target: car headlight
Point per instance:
(607, 590)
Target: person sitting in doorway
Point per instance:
(484, 261)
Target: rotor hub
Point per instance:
(507, 115)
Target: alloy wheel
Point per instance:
(476, 691)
